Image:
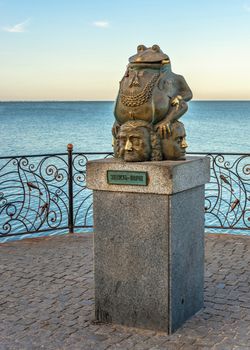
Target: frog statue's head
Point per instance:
(149, 56)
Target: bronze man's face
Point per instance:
(134, 144)
(174, 147)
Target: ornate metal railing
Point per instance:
(47, 193)
(227, 195)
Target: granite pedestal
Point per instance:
(149, 243)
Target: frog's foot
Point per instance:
(176, 101)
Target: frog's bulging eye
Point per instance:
(141, 48)
(156, 48)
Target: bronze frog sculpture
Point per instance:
(150, 92)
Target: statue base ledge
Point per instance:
(163, 177)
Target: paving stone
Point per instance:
(47, 300)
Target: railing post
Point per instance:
(70, 189)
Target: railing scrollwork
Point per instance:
(48, 193)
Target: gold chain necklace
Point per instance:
(131, 100)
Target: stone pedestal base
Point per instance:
(148, 243)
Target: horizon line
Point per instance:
(194, 100)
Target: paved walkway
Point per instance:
(46, 290)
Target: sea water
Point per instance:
(30, 128)
(47, 127)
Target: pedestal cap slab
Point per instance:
(164, 177)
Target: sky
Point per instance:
(79, 49)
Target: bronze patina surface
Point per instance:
(151, 93)
(137, 141)
(174, 146)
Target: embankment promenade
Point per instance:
(47, 299)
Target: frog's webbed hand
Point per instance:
(163, 129)
(177, 108)
(175, 101)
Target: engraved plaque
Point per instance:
(134, 178)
